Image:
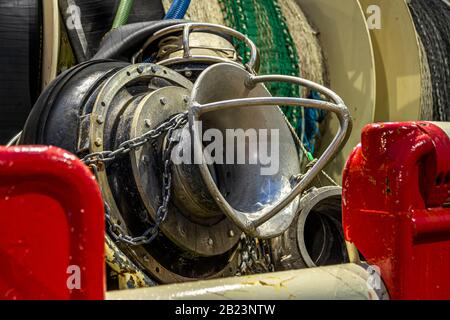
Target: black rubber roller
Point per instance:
(20, 63)
(55, 117)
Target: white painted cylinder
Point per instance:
(343, 282)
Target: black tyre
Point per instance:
(20, 63)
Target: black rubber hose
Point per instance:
(20, 63)
(123, 42)
(97, 16)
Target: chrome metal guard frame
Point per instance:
(337, 107)
(187, 28)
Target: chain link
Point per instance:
(254, 256)
(95, 159)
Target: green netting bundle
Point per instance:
(263, 22)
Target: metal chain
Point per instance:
(95, 159)
(125, 147)
(254, 256)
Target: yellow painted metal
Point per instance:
(51, 41)
(128, 274)
(66, 57)
(348, 281)
(347, 47)
(397, 60)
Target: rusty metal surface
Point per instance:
(129, 275)
(105, 109)
(349, 281)
(194, 235)
(114, 86)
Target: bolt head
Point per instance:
(98, 142)
(210, 241)
(163, 101)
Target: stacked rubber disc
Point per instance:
(20, 56)
(432, 21)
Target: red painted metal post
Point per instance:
(395, 193)
(51, 226)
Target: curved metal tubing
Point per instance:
(197, 58)
(246, 221)
(14, 141)
(187, 28)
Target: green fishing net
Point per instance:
(263, 22)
